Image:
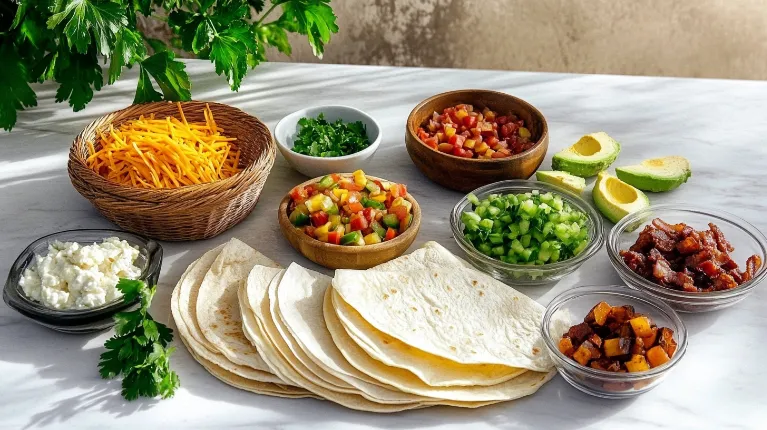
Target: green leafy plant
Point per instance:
(68, 41)
(139, 349)
(320, 138)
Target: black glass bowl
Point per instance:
(79, 320)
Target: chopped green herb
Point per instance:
(320, 138)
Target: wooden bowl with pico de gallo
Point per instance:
(465, 139)
(349, 220)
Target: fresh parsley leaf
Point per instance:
(320, 138)
(138, 350)
(169, 74)
(102, 17)
(78, 76)
(315, 19)
(275, 36)
(229, 52)
(258, 5)
(16, 92)
(129, 48)
(203, 36)
(157, 45)
(145, 92)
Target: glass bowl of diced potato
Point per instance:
(637, 369)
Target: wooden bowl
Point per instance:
(186, 213)
(342, 256)
(466, 174)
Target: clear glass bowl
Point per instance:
(520, 274)
(79, 320)
(573, 305)
(744, 237)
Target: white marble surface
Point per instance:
(50, 380)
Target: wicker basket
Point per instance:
(186, 213)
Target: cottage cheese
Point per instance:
(72, 276)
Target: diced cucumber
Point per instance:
(372, 187)
(524, 226)
(485, 248)
(391, 220)
(325, 183)
(495, 238)
(517, 246)
(498, 251)
(378, 229)
(473, 199)
(370, 203)
(486, 224)
(525, 240)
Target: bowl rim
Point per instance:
(154, 261)
(374, 143)
(533, 109)
(331, 247)
(685, 297)
(110, 118)
(594, 217)
(624, 291)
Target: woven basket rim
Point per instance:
(234, 181)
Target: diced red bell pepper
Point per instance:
(319, 218)
(390, 234)
(350, 185)
(298, 194)
(431, 142)
(400, 211)
(508, 129)
(334, 237)
(389, 200)
(368, 214)
(470, 121)
(310, 189)
(356, 207)
(456, 140)
(358, 222)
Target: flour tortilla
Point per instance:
(257, 387)
(476, 396)
(197, 349)
(460, 315)
(218, 311)
(267, 337)
(300, 296)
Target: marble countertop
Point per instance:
(50, 380)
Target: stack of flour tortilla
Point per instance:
(424, 329)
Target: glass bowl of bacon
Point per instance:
(696, 260)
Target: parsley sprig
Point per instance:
(67, 41)
(319, 138)
(139, 349)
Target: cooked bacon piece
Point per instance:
(753, 264)
(724, 282)
(724, 260)
(721, 243)
(644, 241)
(737, 276)
(687, 231)
(663, 242)
(710, 269)
(689, 245)
(707, 239)
(663, 272)
(672, 230)
(636, 262)
(696, 260)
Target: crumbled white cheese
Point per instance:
(72, 276)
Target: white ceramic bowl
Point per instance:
(287, 129)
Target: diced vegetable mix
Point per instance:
(319, 138)
(617, 339)
(351, 210)
(465, 132)
(527, 228)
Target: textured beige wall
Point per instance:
(699, 38)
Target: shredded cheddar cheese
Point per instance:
(164, 153)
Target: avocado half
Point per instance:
(590, 155)
(656, 174)
(572, 183)
(616, 199)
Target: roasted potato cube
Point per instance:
(641, 326)
(586, 352)
(598, 314)
(621, 314)
(637, 364)
(596, 340)
(666, 341)
(637, 348)
(566, 346)
(657, 356)
(579, 332)
(649, 341)
(617, 347)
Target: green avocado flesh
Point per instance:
(590, 155)
(656, 174)
(616, 199)
(565, 180)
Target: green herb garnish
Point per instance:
(139, 349)
(320, 138)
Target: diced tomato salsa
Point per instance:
(464, 132)
(351, 210)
